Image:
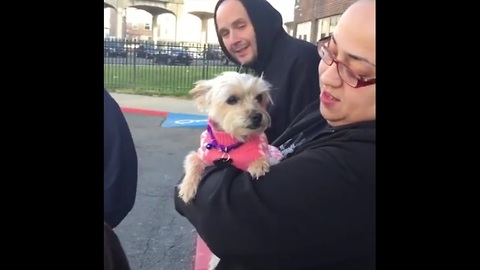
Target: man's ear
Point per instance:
(199, 94)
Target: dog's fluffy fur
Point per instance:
(231, 101)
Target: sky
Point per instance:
(285, 7)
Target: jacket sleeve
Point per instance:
(308, 200)
(120, 164)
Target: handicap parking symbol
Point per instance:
(185, 120)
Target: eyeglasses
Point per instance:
(347, 75)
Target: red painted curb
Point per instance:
(202, 255)
(144, 111)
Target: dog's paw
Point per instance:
(187, 190)
(258, 168)
(193, 166)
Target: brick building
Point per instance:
(314, 19)
(140, 31)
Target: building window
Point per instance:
(134, 26)
(333, 23)
(326, 26)
(147, 26)
(303, 30)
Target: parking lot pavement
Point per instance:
(154, 235)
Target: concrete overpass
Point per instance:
(110, 4)
(154, 7)
(202, 9)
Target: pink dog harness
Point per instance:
(216, 145)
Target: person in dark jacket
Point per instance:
(114, 257)
(119, 163)
(251, 34)
(316, 208)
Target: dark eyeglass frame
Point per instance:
(323, 49)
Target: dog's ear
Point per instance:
(264, 84)
(199, 94)
(269, 98)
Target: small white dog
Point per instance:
(237, 118)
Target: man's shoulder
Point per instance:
(299, 51)
(300, 48)
(291, 55)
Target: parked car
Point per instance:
(114, 49)
(173, 56)
(213, 54)
(147, 51)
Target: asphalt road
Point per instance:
(154, 235)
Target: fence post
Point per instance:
(204, 61)
(134, 64)
(125, 46)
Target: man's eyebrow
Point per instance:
(234, 23)
(355, 57)
(237, 21)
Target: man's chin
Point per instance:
(245, 61)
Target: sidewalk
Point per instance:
(163, 105)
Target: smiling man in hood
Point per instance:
(251, 34)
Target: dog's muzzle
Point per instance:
(255, 120)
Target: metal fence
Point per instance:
(164, 68)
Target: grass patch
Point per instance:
(157, 80)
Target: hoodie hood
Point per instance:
(267, 23)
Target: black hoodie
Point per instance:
(289, 64)
(313, 210)
(119, 165)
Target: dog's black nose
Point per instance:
(256, 118)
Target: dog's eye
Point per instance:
(259, 98)
(232, 100)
